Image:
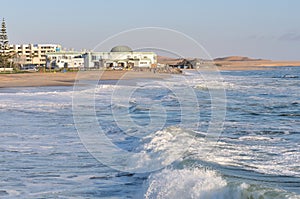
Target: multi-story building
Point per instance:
(33, 53)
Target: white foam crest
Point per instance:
(200, 183)
(192, 80)
(165, 146)
(259, 138)
(13, 193)
(106, 87)
(41, 93)
(91, 90)
(34, 106)
(153, 84)
(216, 85)
(185, 183)
(211, 81)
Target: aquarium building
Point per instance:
(120, 57)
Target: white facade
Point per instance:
(65, 59)
(33, 53)
(120, 56)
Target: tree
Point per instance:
(4, 46)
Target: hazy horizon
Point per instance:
(257, 29)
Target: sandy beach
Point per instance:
(68, 78)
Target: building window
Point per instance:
(94, 57)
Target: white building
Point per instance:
(33, 53)
(120, 57)
(65, 59)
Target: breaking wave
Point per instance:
(204, 183)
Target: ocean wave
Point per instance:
(259, 138)
(185, 183)
(266, 155)
(39, 93)
(263, 156)
(202, 183)
(35, 106)
(215, 85)
(164, 146)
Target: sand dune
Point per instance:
(237, 58)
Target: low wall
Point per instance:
(6, 69)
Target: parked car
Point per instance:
(29, 68)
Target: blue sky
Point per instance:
(267, 29)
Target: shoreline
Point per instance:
(68, 78)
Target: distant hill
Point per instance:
(237, 58)
(227, 63)
(169, 60)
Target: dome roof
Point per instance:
(121, 49)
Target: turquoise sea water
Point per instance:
(256, 156)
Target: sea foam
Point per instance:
(202, 183)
